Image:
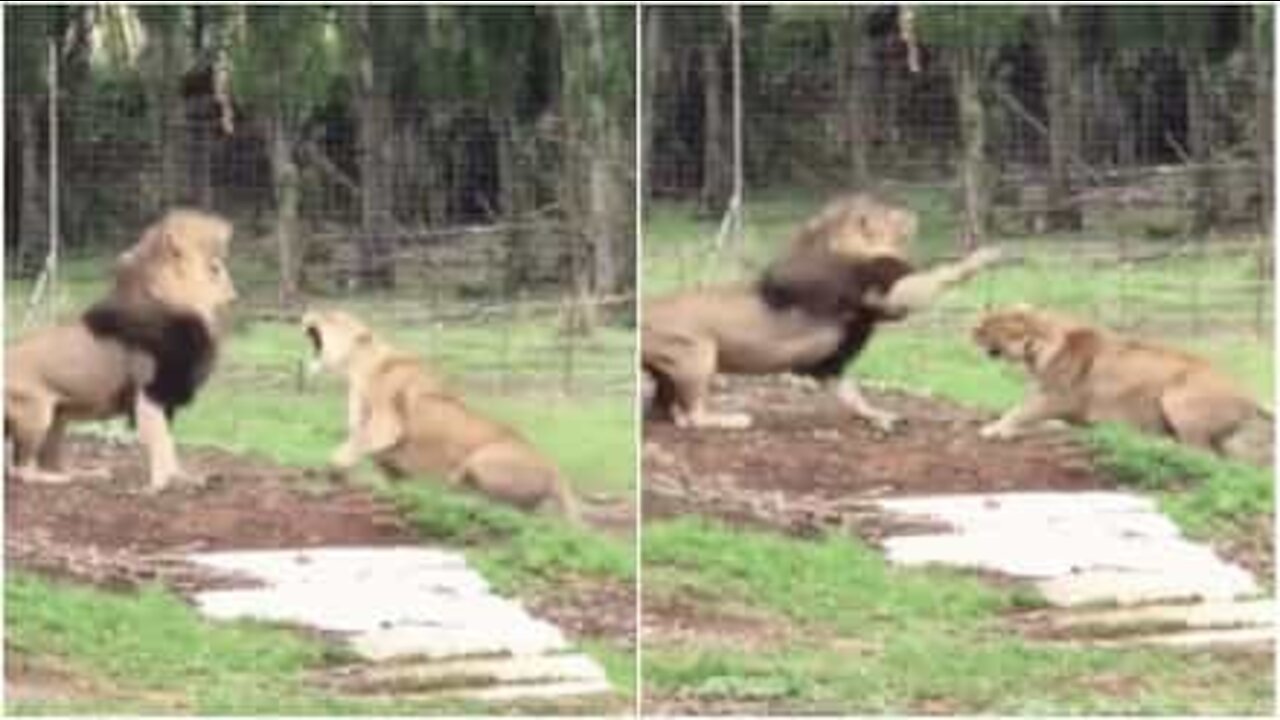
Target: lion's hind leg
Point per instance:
(509, 473)
(29, 422)
(1203, 418)
(688, 370)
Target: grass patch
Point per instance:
(512, 549)
(1205, 495)
(256, 402)
(875, 639)
(151, 652)
(932, 353)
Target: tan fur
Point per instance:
(1085, 374)
(858, 226)
(65, 373)
(400, 414)
(689, 336)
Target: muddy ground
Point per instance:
(113, 534)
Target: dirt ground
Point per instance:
(112, 533)
(806, 464)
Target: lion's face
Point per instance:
(861, 226)
(181, 263)
(334, 336)
(1012, 334)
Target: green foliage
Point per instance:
(513, 549)
(836, 582)
(832, 629)
(286, 58)
(971, 26)
(1207, 496)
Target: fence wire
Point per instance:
(459, 174)
(1120, 142)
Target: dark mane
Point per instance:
(831, 287)
(827, 285)
(180, 344)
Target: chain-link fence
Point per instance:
(1123, 154)
(461, 176)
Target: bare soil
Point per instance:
(113, 533)
(806, 463)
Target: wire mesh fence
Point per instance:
(1122, 154)
(461, 176)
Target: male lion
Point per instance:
(809, 313)
(142, 352)
(1085, 374)
(401, 414)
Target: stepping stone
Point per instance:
(420, 617)
(1086, 548)
(1195, 582)
(1193, 616)
(469, 674)
(1045, 552)
(438, 643)
(1252, 638)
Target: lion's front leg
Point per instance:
(369, 431)
(157, 438)
(1036, 408)
(850, 395)
(919, 290)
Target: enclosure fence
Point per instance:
(1108, 138)
(455, 213)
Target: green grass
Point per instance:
(257, 403)
(932, 352)
(865, 637)
(149, 652)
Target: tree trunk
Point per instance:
(966, 65)
(200, 114)
(594, 185)
(284, 177)
(854, 60)
(373, 111)
(1206, 206)
(1263, 72)
(715, 158)
(653, 49)
(166, 93)
(1064, 117)
(33, 230)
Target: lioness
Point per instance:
(810, 313)
(1085, 374)
(143, 351)
(401, 414)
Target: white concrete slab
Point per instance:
(1189, 616)
(1045, 552)
(1259, 638)
(407, 603)
(1079, 548)
(473, 673)
(479, 639)
(1224, 582)
(571, 688)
